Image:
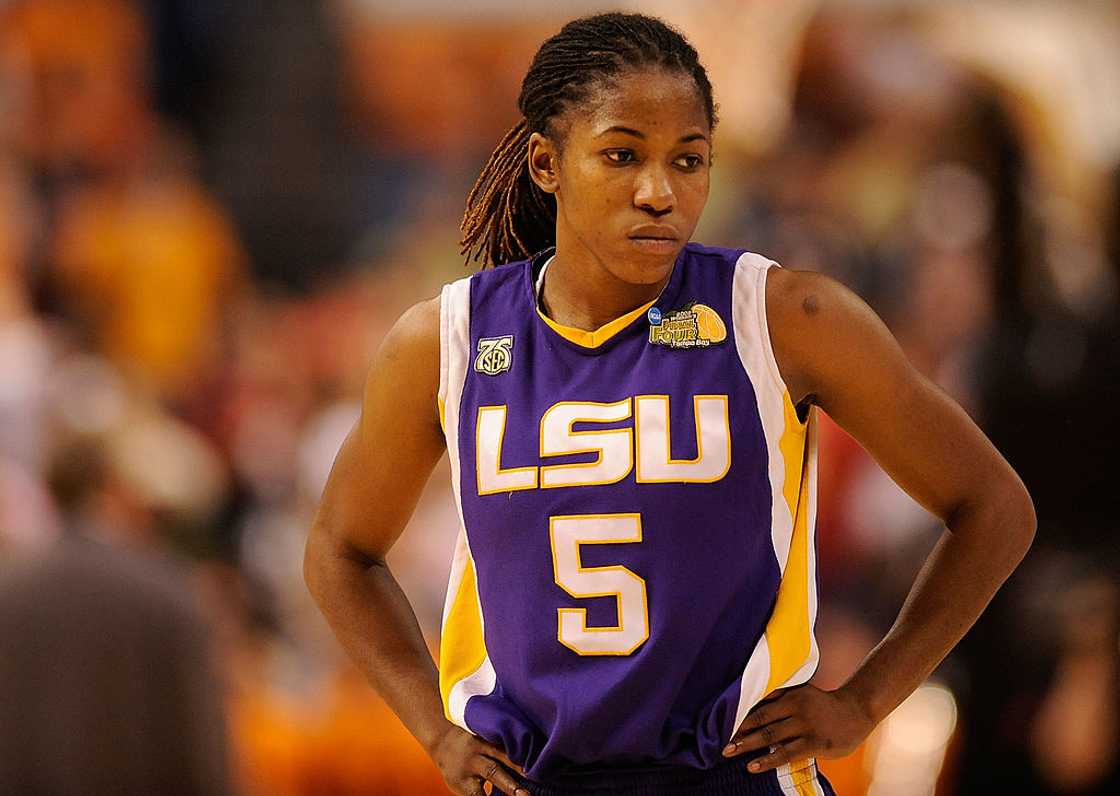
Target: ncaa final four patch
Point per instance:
(694, 326)
(495, 355)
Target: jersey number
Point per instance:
(567, 533)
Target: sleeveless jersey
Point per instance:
(635, 568)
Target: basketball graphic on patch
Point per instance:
(708, 323)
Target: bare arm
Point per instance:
(832, 348)
(372, 491)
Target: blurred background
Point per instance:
(211, 212)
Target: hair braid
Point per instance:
(508, 216)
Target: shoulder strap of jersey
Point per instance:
(791, 652)
(752, 333)
(454, 352)
(465, 669)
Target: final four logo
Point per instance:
(694, 326)
(495, 355)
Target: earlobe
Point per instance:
(542, 163)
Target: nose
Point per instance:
(653, 190)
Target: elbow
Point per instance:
(310, 563)
(315, 562)
(1031, 523)
(1018, 513)
(1003, 513)
(329, 561)
(1031, 518)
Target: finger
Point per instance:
(780, 755)
(768, 734)
(473, 787)
(760, 717)
(492, 751)
(491, 770)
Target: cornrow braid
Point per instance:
(508, 216)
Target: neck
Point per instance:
(579, 291)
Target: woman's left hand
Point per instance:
(801, 722)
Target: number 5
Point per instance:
(567, 533)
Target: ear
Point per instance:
(543, 163)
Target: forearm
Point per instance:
(377, 627)
(970, 562)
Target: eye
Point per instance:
(694, 161)
(611, 152)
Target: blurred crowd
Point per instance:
(211, 212)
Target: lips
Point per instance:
(653, 232)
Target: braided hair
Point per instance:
(508, 216)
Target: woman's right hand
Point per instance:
(467, 762)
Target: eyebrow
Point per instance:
(617, 128)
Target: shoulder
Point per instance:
(409, 353)
(416, 330)
(818, 325)
(802, 302)
(405, 372)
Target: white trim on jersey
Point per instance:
(752, 339)
(803, 784)
(748, 328)
(455, 360)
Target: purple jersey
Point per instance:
(636, 564)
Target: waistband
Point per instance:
(730, 773)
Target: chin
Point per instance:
(643, 267)
(645, 273)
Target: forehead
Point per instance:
(651, 101)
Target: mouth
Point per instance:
(659, 246)
(659, 239)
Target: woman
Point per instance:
(631, 424)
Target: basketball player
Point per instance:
(631, 420)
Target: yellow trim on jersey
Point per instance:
(788, 633)
(596, 338)
(442, 411)
(798, 775)
(462, 646)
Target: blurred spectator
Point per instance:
(106, 679)
(282, 152)
(75, 74)
(149, 268)
(135, 253)
(1075, 740)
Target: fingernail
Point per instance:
(754, 766)
(521, 792)
(729, 749)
